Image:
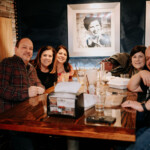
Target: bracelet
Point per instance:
(144, 107)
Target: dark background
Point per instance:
(45, 22)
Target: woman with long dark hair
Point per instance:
(61, 63)
(44, 63)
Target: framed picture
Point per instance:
(93, 29)
(147, 28)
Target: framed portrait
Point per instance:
(147, 28)
(93, 29)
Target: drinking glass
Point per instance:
(81, 76)
(100, 102)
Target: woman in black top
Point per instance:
(44, 64)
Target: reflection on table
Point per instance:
(31, 116)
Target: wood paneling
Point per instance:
(6, 38)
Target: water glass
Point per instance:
(81, 76)
(100, 102)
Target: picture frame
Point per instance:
(147, 28)
(84, 40)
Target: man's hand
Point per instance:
(33, 91)
(40, 90)
(145, 75)
(133, 104)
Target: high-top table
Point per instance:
(31, 116)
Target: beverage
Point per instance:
(99, 107)
(81, 77)
(100, 102)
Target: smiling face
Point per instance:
(61, 56)
(24, 50)
(94, 28)
(138, 60)
(46, 58)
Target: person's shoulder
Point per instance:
(8, 60)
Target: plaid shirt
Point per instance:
(15, 79)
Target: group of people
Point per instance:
(140, 82)
(51, 64)
(22, 78)
(139, 73)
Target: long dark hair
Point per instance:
(37, 62)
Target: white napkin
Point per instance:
(70, 87)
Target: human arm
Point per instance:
(37, 82)
(136, 105)
(34, 91)
(11, 85)
(15, 81)
(134, 83)
(145, 75)
(133, 104)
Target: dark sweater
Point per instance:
(47, 79)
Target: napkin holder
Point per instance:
(65, 105)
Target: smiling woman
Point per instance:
(44, 64)
(61, 65)
(137, 56)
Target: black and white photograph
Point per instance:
(93, 30)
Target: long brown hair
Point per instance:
(66, 64)
(37, 62)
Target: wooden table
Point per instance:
(31, 116)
